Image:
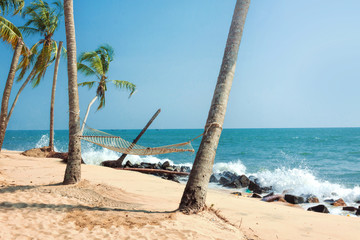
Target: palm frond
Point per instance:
(126, 85)
(88, 84)
(93, 61)
(7, 5)
(9, 32)
(86, 70)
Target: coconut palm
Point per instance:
(194, 196)
(43, 20)
(73, 167)
(96, 63)
(10, 34)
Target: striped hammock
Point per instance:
(119, 144)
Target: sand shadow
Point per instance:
(62, 207)
(16, 188)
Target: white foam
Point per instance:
(44, 141)
(234, 167)
(302, 181)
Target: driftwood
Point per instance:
(146, 170)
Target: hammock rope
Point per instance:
(119, 144)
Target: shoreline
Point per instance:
(144, 193)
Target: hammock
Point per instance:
(118, 144)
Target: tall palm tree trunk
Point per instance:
(73, 167)
(194, 196)
(56, 69)
(7, 90)
(18, 94)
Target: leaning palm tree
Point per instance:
(96, 63)
(73, 167)
(194, 196)
(10, 34)
(42, 20)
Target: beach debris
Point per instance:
(350, 209)
(339, 203)
(237, 193)
(319, 208)
(294, 199)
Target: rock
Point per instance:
(244, 181)
(358, 201)
(185, 169)
(255, 195)
(169, 168)
(350, 209)
(177, 169)
(173, 177)
(237, 193)
(358, 212)
(157, 166)
(294, 199)
(319, 208)
(147, 165)
(128, 164)
(254, 187)
(224, 180)
(231, 176)
(329, 201)
(37, 152)
(312, 199)
(165, 165)
(273, 198)
(266, 189)
(269, 195)
(136, 165)
(110, 163)
(339, 203)
(214, 179)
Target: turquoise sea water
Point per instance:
(320, 161)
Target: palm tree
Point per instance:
(7, 91)
(96, 63)
(194, 196)
(10, 34)
(43, 20)
(73, 167)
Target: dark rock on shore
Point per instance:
(255, 195)
(294, 199)
(254, 187)
(185, 169)
(214, 179)
(224, 180)
(165, 165)
(358, 212)
(350, 209)
(273, 198)
(329, 201)
(319, 208)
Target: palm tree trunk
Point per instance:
(56, 69)
(73, 167)
(7, 90)
(194, 196)
(18, 94)
(87, 113)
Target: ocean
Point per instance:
(320, 161)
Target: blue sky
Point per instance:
(298, 65)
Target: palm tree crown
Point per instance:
(96, 63)
(9, 33)
(43, 20)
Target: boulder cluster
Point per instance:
(233, 180)
(161, 166)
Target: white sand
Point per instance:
(113, 204)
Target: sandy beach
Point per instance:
(114, 204)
